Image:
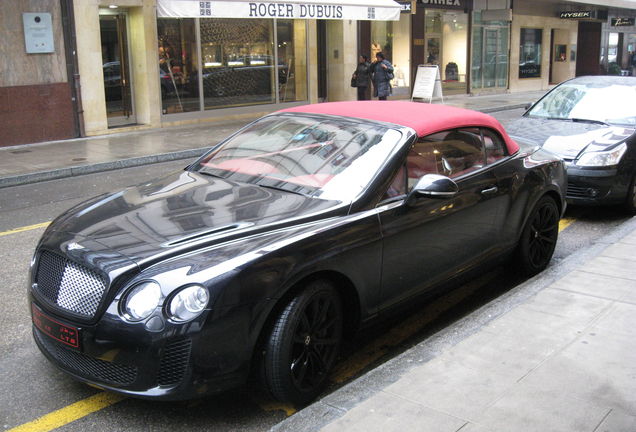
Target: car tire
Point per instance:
(630, 199)
(539, 237)
(303, 345)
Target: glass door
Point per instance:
(490, 58)
(116, 64)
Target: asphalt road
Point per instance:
(36, 396)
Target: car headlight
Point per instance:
(142, 300)
(188, 303)
(603, 158)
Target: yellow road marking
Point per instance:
(267, 405)
(565, 222)
(26, 228)
(70, 413)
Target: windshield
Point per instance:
(329, 158)
(599, 101)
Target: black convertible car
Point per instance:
(262, 257)
(591, 123)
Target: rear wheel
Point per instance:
(539, 237)
(303, 345)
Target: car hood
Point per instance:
(565, 138)
(179, 213)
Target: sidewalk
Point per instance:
(32, 163)
(557, 353)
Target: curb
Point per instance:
(61, 173)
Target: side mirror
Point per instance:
(529, 105)
(432, 186)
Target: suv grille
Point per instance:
(69, 285)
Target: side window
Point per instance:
(495, 148)
(450, 153)
(462, 151)
(425, 158)
(398, 186)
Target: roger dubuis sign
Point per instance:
(380, 10)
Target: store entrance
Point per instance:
(446, 45)
(490, 59)
(116, 63)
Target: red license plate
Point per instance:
(60, 332)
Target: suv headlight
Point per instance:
(603, 158)
(141, 301)
(188, 303)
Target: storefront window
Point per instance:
(433, 37)
(392, 38)
(237, 62)
(446, 39)
(241, 62)
(382, 39)
(613, 48)
(292, 60)
(530, 53)
(631, 51)
(178, 60)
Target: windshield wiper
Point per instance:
(580, 120)
(282, 189)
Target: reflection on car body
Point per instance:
(591, 123)
(262, 257)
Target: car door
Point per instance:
(435, 238)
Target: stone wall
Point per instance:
(35, 95)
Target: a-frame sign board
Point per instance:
(428, 84)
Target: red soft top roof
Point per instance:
(424, 118)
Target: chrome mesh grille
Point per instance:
(110, 372)
(69, 285)
(174, 362)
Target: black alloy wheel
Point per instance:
(304, 345)
(539, 237)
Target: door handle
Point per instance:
(490, 191)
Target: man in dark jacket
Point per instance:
(361, 75)
(382, 72)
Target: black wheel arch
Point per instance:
(552, 193)
(350, 307)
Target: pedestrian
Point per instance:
(361, 76)
(382, 72)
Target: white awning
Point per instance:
(373, 10)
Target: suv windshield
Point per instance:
(596, 100)
(330, 158)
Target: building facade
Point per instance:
(37, 97)
(122, 65)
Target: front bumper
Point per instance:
(596, 187)
(173, 364)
